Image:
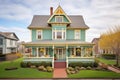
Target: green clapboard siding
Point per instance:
(47, 34)
(33, 34)
(58, 27)
(82, 35)
(70, 34)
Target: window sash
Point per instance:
(39, 34)
(77, 34)
(59, 19)
(59, 34)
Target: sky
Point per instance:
(99, 15)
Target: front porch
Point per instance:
(60, 53)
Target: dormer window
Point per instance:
(58, 19)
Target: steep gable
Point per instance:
(59, 12)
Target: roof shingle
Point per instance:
(40, 21)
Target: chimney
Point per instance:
(51, 10)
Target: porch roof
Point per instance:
(56, 42)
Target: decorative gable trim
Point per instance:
(59, 11)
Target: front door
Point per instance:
(60, 53)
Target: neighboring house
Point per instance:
(96, 47)
(20, 47)
(59, 38)
(8, 42)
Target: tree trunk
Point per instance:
(117, 59)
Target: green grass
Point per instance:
(94, 74)
(112, 62)
(21, 72)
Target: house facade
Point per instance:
(59, 37)
(8, 42)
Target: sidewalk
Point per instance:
(59, 73)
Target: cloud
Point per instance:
(98, 14)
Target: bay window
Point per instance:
(59, 34)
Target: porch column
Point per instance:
(37, 52)
(82, 51)
(53, 57)
(67, 56)
(66, 50)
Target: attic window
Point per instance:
(59, 19)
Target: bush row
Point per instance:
(81, 64)
(37, 64)
(109, 56)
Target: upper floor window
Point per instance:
(59, 19)
(59, 34)
(39, 34)
(1, 41)
(77, 34)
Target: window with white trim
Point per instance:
(59, 34)
(59, 19)
(39, 34)
(77, 34)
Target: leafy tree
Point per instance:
(111, 41)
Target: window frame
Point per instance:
(76, 33)
(63, 34)
(37, 35)
(57, 19)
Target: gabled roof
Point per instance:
(40, 21)
(8, 35)
(59, 11)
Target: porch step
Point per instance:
(59, 64)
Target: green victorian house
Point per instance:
(59, 37)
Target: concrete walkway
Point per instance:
(59, 73)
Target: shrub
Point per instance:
(41, 68)
(68, 71)
(37, 64)
(74, 64)
(49, 69)
(95, 64)
(83, 68)
(109, 56)
(71, 69)
(88, 68)
(77, 68)
(23, 64)
(29, 64)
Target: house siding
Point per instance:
(47, 34)
(33, 35)
(70, 34)
(82, 35)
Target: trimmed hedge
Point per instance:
(37, 64)
(80, 64)
(109, 56)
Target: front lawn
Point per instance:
(94, 74)
(21, 72)
(107, 61)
